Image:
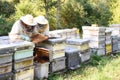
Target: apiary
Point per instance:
(85, 56)
(55, 47)
(72, 58)
(81, 44)
(41, 70)
(57, 64)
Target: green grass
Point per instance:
(98, 68)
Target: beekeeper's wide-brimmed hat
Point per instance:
(28, 19)
(41, 20)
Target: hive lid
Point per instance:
(77, 41)
(71, 50)
(56, 40)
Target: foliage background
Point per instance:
(60, 13)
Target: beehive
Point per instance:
(80, 44)
(72, 58)
(25, 74)
(88, 30)
(41, 70)
(57, 64)
(55, 47)
(114, 43)
(98, 51)
(22, 63)
(85, 56)
(7, 57)
(97, 44)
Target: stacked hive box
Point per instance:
(114, 44)
(108, 40)
(22, 59)
(55, 53)
(116, 29)
(41, 59)
(116, 32)
(82, 45)
(96, 35)
(118, 44)
(72, 58)
(6, 53)
(65, 33)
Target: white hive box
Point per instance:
(98, 51)
(85, 56)
(25, 74)
(6, 54)
(116, 29)
(75, 33)
(41, 70)
(55, 47)
(93, 30)
(81, 44)
(97, 44)
(65, 33)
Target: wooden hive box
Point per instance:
(6, 68)
(22, 63)
(81, 44)
(7, 76)
(72, 58)
(55, 47)
(57, 64)
(24, 74)
(85, 56)
(41, 70)
(114, 43)
(98, 51)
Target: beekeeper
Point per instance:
(23, 28)
(42, 25)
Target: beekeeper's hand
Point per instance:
(26, 38)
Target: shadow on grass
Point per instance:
(95, 61)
